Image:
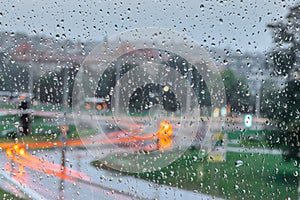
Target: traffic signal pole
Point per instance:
(25, 118)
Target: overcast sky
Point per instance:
(238, 24)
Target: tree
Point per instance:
(237, 95)
(14, 77)
(50, 87)
(285, 57)
(270, 96)
(196, 81)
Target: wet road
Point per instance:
(81, 180)
(102, 184)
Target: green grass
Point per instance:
(6, 195)
(41, 132)
(7, 105)
(253, 133)
(260, 176)
(251, 138)
(8, 122)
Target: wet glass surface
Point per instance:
(149, 99)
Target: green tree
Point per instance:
(285, 57)
(269, 97)
(49, 88)
(237, 94)
(14, 78)
(196, 81)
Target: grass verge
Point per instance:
(8, 196)
(259, 177)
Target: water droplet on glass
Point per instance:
(296, 173)
(238, 163)
(201, 7)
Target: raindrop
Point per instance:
(225, 61)
(296, 173)
(295, 163)
(202, 7)
(171, 173)
(238, 51)
(195, 158)
(238, 163)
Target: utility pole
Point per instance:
(258, 97)
(25, 119)
(65, 92)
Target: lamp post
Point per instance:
(63, 129)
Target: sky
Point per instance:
(235, 24)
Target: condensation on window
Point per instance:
(149, 99)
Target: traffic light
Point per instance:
(25, 120)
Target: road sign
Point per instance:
(248, 121)
(218, 148)
(223, 111)
(216, 112)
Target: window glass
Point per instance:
(149, 99)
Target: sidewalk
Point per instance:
(254, 150)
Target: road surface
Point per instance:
(39, 169)
(101, 184)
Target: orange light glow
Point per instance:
(164, 136)
(22, 96)
(35, 163)
(9, 153)
(104, 105)
(16, 147)
(22, 151)
(88, 106)
(99, 107)
(18, 154)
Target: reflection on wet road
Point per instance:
(46, 166)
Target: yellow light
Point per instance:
(16, 147)
(8, 152)
(22, 151)
(164, 136)
(166, 88)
